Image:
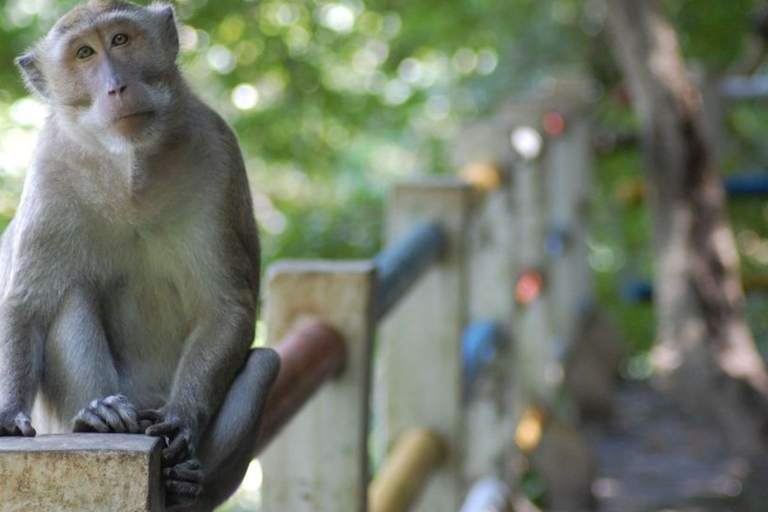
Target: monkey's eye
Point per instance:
(84, 52)
(120, 40)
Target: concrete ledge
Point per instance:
(80, 472)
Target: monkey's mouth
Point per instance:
(140, 114)
(133, 122)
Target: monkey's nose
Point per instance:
(118, 90)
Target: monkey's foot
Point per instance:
(183, 483)
(113, 414)
(15, 423)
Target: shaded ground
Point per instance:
(654, 458)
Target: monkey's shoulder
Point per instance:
(214, 137)
(218, 144)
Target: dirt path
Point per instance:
(653, 458)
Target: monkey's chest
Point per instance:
(149, 309)
(146, 325)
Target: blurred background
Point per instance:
(335, 100)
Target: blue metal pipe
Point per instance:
(747, 185)
(400, 265)
(480, 345)
(637, 291)
(557, 240)
(744, 87)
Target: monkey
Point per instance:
(129, 276)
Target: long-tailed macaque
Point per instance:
(130, 274)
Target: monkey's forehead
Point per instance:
(96, 12)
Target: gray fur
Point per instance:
(30, 72)
(130, 274)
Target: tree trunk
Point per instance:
(705, 351)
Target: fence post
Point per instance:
(538, 374)
(420, 363)
(568, 162)
(492, 402)
(319, 463)
(75, 472)
(548, 292)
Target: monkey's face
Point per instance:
(108, 70)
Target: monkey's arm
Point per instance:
(218, 346)
(21, 358)
(21, 343)
(215, 351)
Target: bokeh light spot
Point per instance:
(245, 97)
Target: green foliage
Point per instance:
(534, 487)
(712, 31)
(336, 99)
(712, 35)
(621, 229)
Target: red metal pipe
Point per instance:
(310, 354)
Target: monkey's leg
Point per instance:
(80, 371)
(21, 361)
(229, 442)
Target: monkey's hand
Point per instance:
(177, 434)
(113, 414)
(183, 482)
(181, 470)
(16, 423)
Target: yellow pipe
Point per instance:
(484, 177)
(754, 282)
(530, 429)
(415, 456)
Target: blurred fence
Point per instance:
(461, 328)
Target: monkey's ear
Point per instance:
(167, 16)
(33, 77)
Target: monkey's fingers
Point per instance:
(100, 413)
(167, 427)
(127, 413)
(17, 424)
(109, 415)
(187, 471)
(183, 482)
(177, 435)
(150, 415)
(147, 418)
(181, 493)
(88, 421)
(24, 425)
(178, 449)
